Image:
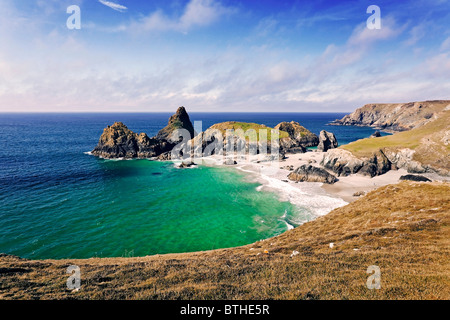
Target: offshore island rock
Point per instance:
(117, 141)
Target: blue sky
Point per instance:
(218, 56)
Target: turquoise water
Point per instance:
(145, 208)
(58, 202)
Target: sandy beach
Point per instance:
(321, 198)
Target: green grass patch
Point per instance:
(246, 127)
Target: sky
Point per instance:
(221, 55)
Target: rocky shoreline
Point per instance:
(246, 149)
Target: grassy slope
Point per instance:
(234, 125)
(403, 229)
(426, 140)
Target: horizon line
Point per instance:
(151, 112)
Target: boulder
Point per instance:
(186, 164)
(376, 165)
(376, 134)
(327, 140)
(344, 163)
(229, 162)
(341, 162)
(312, 174)
(412, 177)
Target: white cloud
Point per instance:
(445, 45)
(416, 33)
(112, 5)
(363, 36)
(197, 13)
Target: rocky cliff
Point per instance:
(248, 137)
(423, 146)
(117, 141)
(395, 116)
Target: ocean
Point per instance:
(58, 202)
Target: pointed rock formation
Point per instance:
(180, 120)
(327, 140)
(117, 141)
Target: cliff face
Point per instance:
(117, 141)
(395, 117)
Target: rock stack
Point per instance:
(117, 141)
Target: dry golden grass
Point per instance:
(403, 229)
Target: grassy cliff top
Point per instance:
(245, 126)
(428, 141)
(404, 229)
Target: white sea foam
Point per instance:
(307, 196)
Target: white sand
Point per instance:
(320, 198)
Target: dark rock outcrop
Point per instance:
(376, 165)
(412, 177)
(312, 174)
(302, 136)
(327, 140)
(117, 141)
(376, 134)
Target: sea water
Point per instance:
(57, 201)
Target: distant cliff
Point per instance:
(423, 146)
(395, 116)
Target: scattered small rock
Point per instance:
(359, 193)
(229, 162)
(294, 253)
(186, 165)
